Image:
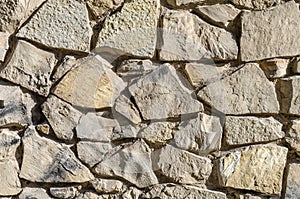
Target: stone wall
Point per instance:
(149, 99)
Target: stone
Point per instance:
(275, 68)
(58, 24)
(219, 14)
(88, 195)
(62, 117)
(235, 94)
(13, 13)
(34, 193)
(101, 85)
(293, 181)
(43, 128)
(92, 153)
(132, 30)
(293, 135)
(68, 63)
(132, 163)
(166, 191)
(249, 168)
(63, 192)
(295, 66)
(201, 134)
(9, 168)
(161, 94)
(107, 185)
(180, 166)
(249, 130)
(132, 193)
(180, 3)
(186, 37)
(4, 45)
(45, 160)
(255, 5)
(127, 131)
(259, 40)
(102, 8)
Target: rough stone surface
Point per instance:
(101, 85)
(102, 8)
(32, 72)
(187, 37)
(132, 30)
(34, 193)
(68, 63)
(293, 181)
(293, 136)
(63, 192)
(275, 68)
(132, 163)
(107, 185)
(152, 91)
(295, 66)
(3, 44)
(258, 168)
(246, 130)
(256, 5)
(260, 41)
(235, 94)
(181, 166)
(47, 161)
(60, 24)
(178, 3)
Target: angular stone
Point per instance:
(63, 192)
(202, 134)
(188, 38)
(249, 130)
(43, 128)
(68, 63)
(3, 44)
(166, 191)
(249, 168)
(62, 117)
(132, 193)
(275, 68)
(181, 166)
(161, 94)
(58, 24)
(260, 41)
(34, 193)
(235, 94)
(107, 185)
(256, 5)
(295, 66)
(179, 3)
(293, 182)
(132, 163)
(127, 131)
(102, 8)
(132, 30)
(293, 136)
(88, 195)
(101, 85)
(45, 160)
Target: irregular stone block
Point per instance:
(107, 185)
(235, 94)
(293, 136)
(58, 24)
(34, 193)
(259, 39)
(63, 192)
(293, 182)
(3, 44)
(257, 167)
(255, 5)
(275, 68)
(102, 8)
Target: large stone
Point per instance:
(9, 168)
(4, 37)
(34, 193)
(248, 130)
(259, 39)
(132, 30)
(58, 24)
(293, 182)
(63, 192)
(102, 8)
(293, 135)
(92, 84)
(107, 185)
(235, 94)
(258, 167)
(180, 166)
(45, 160)
(32, 72)
(187, 37)
(132, 163)
(161, 94)
(62, 117)
(256, 5)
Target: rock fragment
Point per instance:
(293, 136)
(63, 192)
(275, 68)
(4, 37)
(107, 185)
(179, 3)
(34, 193)
(255, 5)
(102, 8)
(68, 63)
(293, 181)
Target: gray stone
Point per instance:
(293, 182)
(63, 192)
(32, 72)
(256, 5)
(102, 8)
(161, 94)
(264, 36)
(249, 130)
(45, 160)
(132, 193)
(107, 185)
(236, 94)
(275, 68)
(132, 30)
(88, 195)
(34, 193)
(181, 166)
(68, 63)
(188, 38)
(179, 3)
(3, 44)
(58, 24)
(293, 135)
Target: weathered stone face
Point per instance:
(293, 181)
(293, 136)
(34, 193)
(102, 8)
(63, 192)
(3, 44)
(256, 5)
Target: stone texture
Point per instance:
(295, 66)
(132, 30)
(260, 41)
(45, 160)
(68, 63)
(32, 72)
(248, 130)
(132, 163)
(201, 134)
(275, 68)
(101, 85)
(293, 135)
(188, 38)
(152, 91)
(181, 166)
(4, 45)
(256, 5)
(235, 94)
(63, 192)
(258, 168)
(59, 24)
(107, 185)
(34, 193)
(293, 181)
(102, 8)
(62, 117)
(179, 3)
(43, 128)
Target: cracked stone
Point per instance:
(68, 63)
(257, 4)
(293, 181)
(107, 185)
(275, 68)
(102, 8)
(4, 45)
(63, 192)
(293, 136)
(34, 193)
(179, 3)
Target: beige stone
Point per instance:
(43, 128)
(179, 3)
(293, 135)
(264, 35)
(236, 94)
(102, 8)
(275, 68)
(68, 63)
(34, 193)
(4, 45)
(63, 192)
(107, 185)
(293, 181)
(132, 30)
(257, 167)
(257, 4)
